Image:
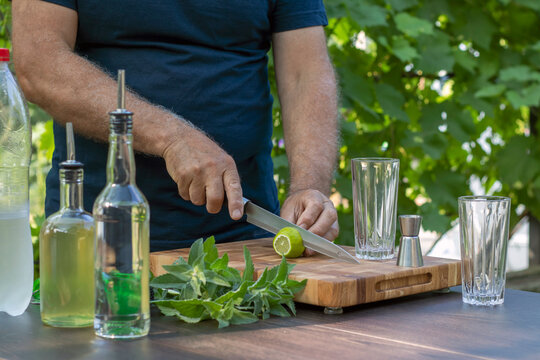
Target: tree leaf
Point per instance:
(491, 90)
(357, 87)
(520, 73)
(436, 54)
(411, 25)
(366, 14)
(391, 101)
(529, 96)
(515, 163)
(434, 144)
(475, 25)
(400, 5)
(533, 4)
(402, 49)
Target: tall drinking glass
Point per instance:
(375, 193)
(483, 222)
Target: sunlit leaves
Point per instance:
(391, 101)
(411, 25)
(444, 85)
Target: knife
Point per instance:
(268, 221)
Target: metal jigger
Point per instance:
(410, 253)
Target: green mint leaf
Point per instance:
(180, 261)
(243, 317)
(282, 271)
(261, 281)
(291, 306)
(233, 294)
(210, 250)
(181, 271)
(220, 264)
(279, 310)
(196, 252)
(167, 281)
(296, 286)
(214, 278)
(190, 311)
(249, 268)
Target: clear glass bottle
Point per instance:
(16, 259)
(122, 218)
(66, 248)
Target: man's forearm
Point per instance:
(79, 92)
(72, 89)
(309, 108)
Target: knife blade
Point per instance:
(268, 221)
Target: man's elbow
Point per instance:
(27, 79)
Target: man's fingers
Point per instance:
(333, 232)
(310, 214)
(233, 189)
(197, 192)
(325, 220)
(214, 196)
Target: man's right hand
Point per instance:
(204, 173)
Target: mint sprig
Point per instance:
(205, 287)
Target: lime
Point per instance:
(288, 242)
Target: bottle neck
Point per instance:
(71, 189)
(121, 161)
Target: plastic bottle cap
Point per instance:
(4, 54)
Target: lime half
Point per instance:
(288, 242)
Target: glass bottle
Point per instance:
(66, 248)
(16, 259)
(122, 217)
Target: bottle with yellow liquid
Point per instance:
(66, 248)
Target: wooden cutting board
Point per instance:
(336, 283)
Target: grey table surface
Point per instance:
(424, 326)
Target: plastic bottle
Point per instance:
(66, 252)
(16, 258)
(122, 216)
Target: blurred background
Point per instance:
(450, 87)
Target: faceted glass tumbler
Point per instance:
(484, 223)
(375, 192)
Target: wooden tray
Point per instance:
(334, 283)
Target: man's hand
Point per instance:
(313, 211)
(204, 173)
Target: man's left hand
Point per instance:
(313, 211)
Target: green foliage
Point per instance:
(445, 86)
(205, 287)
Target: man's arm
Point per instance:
(70, 88)
(307, 92)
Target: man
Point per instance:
(197, 71)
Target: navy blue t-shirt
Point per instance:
(205, 60)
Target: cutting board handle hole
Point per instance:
(403, 282)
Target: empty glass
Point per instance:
(375, 193)
(483, 222)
